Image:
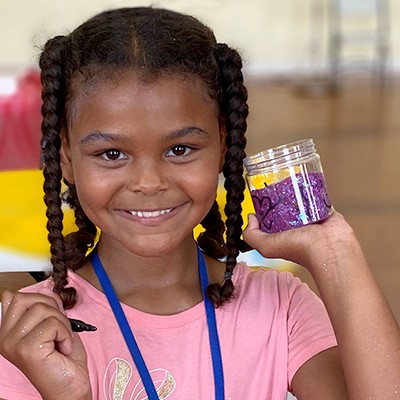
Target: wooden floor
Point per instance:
(357, 134)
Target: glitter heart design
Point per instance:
(263, 206)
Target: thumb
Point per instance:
(254, 236)
(253, 223)
(268, 245)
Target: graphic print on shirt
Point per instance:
(117, 383)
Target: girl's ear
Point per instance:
(66, 163)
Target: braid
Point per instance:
(53, 95)
(234, 107)
(78, 243)
(212, 240)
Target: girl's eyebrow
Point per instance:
(101, 136)
(187, 131)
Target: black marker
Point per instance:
(80, 326)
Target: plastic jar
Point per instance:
(287, 186)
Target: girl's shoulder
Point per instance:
(74, 280)
(43, 287)
(260, 275)
(262, 283)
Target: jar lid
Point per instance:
(281, 155)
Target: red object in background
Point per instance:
(20, 120)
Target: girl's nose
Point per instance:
(148, 178)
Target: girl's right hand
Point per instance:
(36, 337)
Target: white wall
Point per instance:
(273, 35)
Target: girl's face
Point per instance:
(145, 159)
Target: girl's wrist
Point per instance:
(342, 276)
(337, 258)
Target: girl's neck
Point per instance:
(157, 285)
(133, 269)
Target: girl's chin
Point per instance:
(152, 247)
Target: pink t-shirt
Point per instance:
(273, 325)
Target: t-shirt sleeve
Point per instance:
(309, 328)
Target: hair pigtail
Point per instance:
(233, 104)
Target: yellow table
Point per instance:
(23, 234)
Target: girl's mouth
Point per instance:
(150, 214)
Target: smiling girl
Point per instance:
(142, 110)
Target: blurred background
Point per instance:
(324, 69)
(321, 69)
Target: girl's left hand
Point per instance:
(311, 246)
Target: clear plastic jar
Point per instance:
(287, 186)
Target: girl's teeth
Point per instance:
(150, 214)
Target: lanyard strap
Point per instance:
(130, 339)
(124, 327)
(212, 331)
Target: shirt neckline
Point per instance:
(92, 294)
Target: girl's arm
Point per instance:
(367, 333)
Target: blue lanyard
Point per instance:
(132, 344)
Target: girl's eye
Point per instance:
(178, 151)
(113, 155)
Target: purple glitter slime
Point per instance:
(285, 205)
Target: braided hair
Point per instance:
(149, 41)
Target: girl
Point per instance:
(142, 109)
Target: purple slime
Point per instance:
(292, 203)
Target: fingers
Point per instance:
(47, 296)
(16, 304)
(300, 245)
(48, 337)
(36, 336)
(33, 322)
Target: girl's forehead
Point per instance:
(128, 106)
(87, 84)
(128, 84)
